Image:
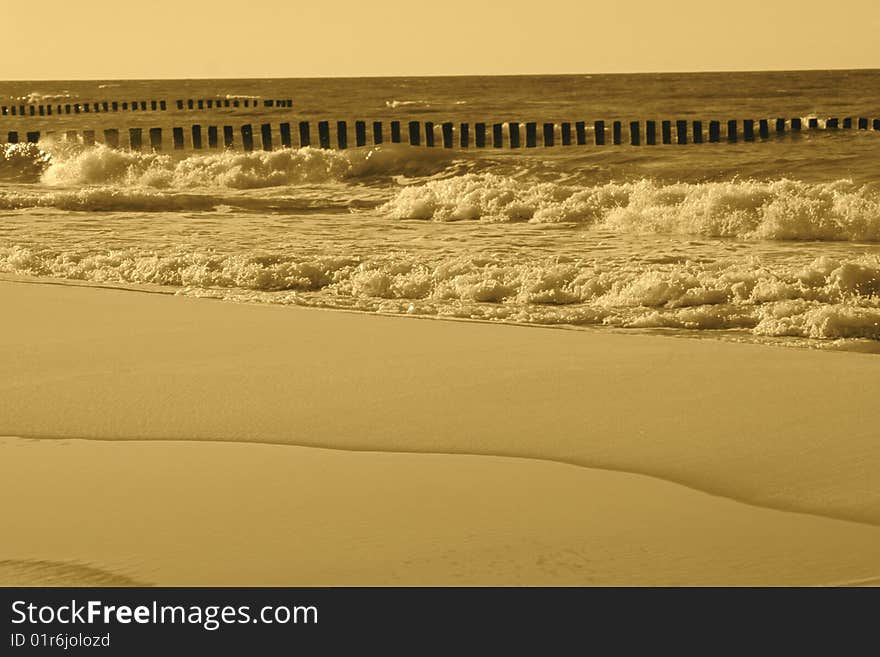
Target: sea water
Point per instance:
(776, 240)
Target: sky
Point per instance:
(108, 39)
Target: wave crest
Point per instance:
(776, 210)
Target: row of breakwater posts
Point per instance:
(268, 136)
(108, 107)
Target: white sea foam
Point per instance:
(394, 104)
(37, 97)
(827, 298)
(776, 210)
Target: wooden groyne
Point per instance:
(512, 135)
(115, 106)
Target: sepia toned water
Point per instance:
(773, 241)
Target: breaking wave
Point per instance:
(776, 210)
(102, 179)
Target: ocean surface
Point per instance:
(774, 241)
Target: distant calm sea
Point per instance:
(776, 241)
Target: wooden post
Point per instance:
(88, 137)
(247, 137)
(616, 130)
(162, 106)
(599, 133)
(305, 139)
(124, 106)
(154, 105)
(831, 124)
(415, 137)
(71, 135)
(12, 137)
(429, 134)
(531, 134)
(66, 109)
(266, 136)
(155, 139)
(749, 130)
(513, 133)
(863, 123)
(796, 124)
(681, 132)
(395, 132)
(780, 126)
(714, 131)
(214, 137)
(497, 138)
(447, 135)
(228, 136)
(197, 137)
(651, 133)
(360, 133)
(49, 110)
(342, 134)
(464, 132)
(480, 135)
(549, 135)
(580, 131)
(377, 132)
(34, 137)
(697, 131)
(847, 123)
(324, 134)
(732, 131)
(177, 138)
(876, 124)
(565, 129)
(635, 137)
(286, 141)
(189, 103)
(42, 110)
(666, 131)
(180, 104)
(764, 129)
(135, 138)
(115, 106)
(111, 137)
(813, 123)
(105, 106)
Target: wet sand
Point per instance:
(788, 430)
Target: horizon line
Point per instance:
(444, 75)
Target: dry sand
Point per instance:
(790, 429)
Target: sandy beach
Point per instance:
(170, 440)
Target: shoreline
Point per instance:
(850, 345)
(738, 421)
(225, 443)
